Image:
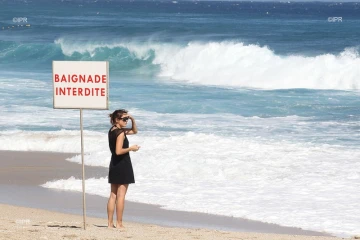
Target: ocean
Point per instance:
(244, 109)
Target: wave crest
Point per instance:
(233, 64)
(225, 64)
(238, 65)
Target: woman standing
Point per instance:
(120, 169)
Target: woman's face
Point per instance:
(123, 120)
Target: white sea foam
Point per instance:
(55, 141)
(292, 184)
(237, 65)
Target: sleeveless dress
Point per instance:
(120, 168)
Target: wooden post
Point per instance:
(83, 167)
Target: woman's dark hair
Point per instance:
(117, 114)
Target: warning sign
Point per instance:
(81, 84)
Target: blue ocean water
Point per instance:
(260, 97)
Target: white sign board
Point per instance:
(81, 84)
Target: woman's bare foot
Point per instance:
(120, 226)
(111, 226)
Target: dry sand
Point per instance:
(29, 223)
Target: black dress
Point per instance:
(120, 168)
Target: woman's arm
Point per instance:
(133, 130)
(119, 150)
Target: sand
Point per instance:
(28, 223)
(23, 172)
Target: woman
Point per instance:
(120, 170)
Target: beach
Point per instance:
(245, 110)
(29, 211)
(29, 223)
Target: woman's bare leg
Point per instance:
(120, 203)
(111, 205)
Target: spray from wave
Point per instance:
(238, 65)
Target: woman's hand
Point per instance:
(134, 148)
(133, 129)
